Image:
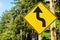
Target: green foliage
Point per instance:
(57, 7)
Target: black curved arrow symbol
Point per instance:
(37, 10)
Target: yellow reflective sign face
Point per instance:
(40, 18)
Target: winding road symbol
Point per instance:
(38, 11)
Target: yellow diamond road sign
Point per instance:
(40, 17)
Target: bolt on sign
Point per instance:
(40, 17)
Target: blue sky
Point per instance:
(5, 5)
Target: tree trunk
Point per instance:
(53, 25)
(33, 35)
(21, 33)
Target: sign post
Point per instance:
(39, 37)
